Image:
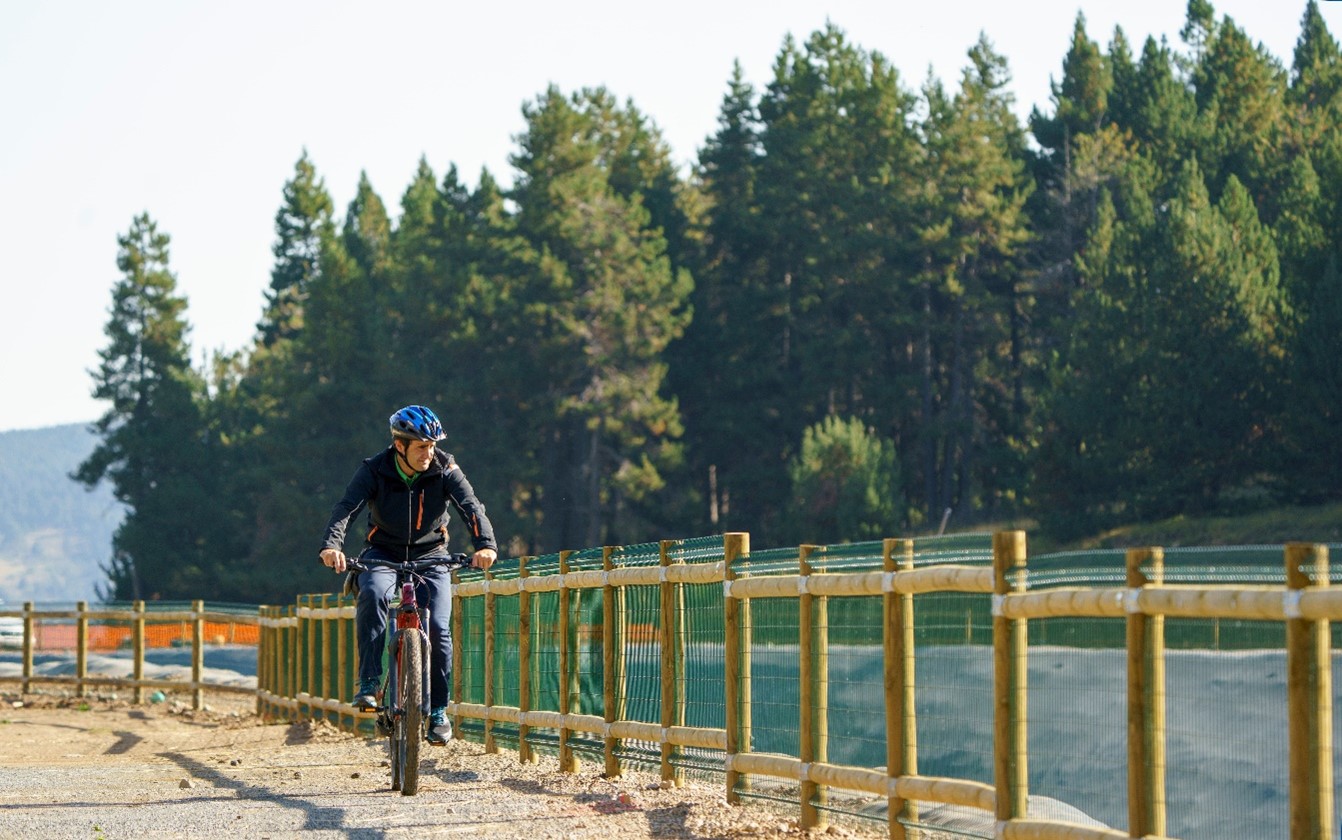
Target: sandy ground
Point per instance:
(97, 767)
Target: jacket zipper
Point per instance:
(409, 524)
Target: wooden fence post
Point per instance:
(611, 651)
(262, 660)
(324, 667)
(197, 654)
(812, 701)
(901, 746)
(524, 653)
(681, 646)
(292, 663)
(81, 646)
(276, 651)
(273, 661)
(568, 666)
(310, 654)
(1010, 664)
(666, 637)
(736, 662)
(491, 746)
(1309, 697)
(1146, 700)
(28, 644)
(342, 687)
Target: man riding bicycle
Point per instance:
(408, 488)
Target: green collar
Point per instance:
(408, 478)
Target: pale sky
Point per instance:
(196, 112)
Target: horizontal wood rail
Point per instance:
(137, 617)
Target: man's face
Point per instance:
(417, 453)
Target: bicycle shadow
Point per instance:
(316, 817)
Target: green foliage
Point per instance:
(152, 441)
(610, 302)
(1190, 387)
(1312, 420)
(1136, 316)
(845, 484)
(300, 224)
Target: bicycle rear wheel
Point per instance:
(410, 724)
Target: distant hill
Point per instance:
(54, 535)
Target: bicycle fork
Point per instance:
(410, 618)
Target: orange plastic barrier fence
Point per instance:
(106, 637)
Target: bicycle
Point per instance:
(407, 674)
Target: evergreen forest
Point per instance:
(869, 305)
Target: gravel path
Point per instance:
(102, 768)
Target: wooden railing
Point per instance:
(105, 629)
(307, 663)
(1305, 604)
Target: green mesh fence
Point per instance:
(1226, 708)
(1225, 680)
(854, 733)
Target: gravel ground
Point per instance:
(99, 767)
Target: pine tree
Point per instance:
(1159, 110)
(367, 231)
(1161, 403)
(828, 293)
(153, 449)
(1310, 417)
(300, 224)
(1240, 90)
(722, 370)
(1199, 25)
(294, 381)
(1081, 99)
(1316, 68)
(972, 234)
(1083, 154)
(611, 302)
(841, 480)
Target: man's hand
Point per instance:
(484, 558)
(334, 558)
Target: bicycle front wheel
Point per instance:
(410, 729)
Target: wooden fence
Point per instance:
(297, 674)
(307, 663)
(113, 629)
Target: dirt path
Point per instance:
(101, 768)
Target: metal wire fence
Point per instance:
(890, 681)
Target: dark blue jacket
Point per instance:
(409, 521)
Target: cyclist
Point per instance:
(408, 488)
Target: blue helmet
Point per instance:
(415, 422)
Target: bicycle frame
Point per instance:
(409, 618)
(402, 718)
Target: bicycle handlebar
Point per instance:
(456, 560)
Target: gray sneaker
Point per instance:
(440, 728)
(366, 699)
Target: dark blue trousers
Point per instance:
(376, 590)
